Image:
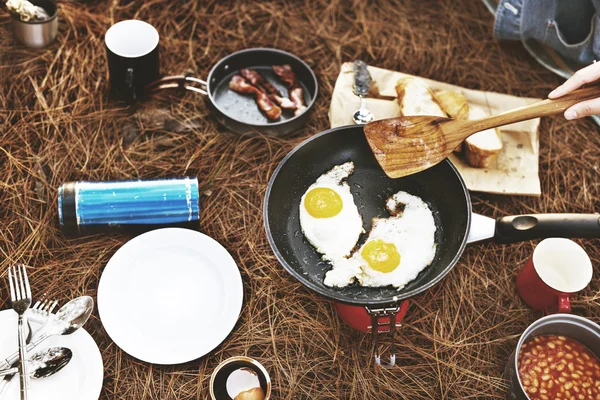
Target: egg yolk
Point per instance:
(381, 256)
(323, 203)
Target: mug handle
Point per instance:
(564, 303)
(129, 81)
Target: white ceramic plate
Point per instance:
(170, 296)
(81, 379)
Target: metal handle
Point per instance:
(129, 81)
(363, 105)
(129, 78)
(13, 358)
(482, 228)
(377, 321)
(10, 371)
(23, 376)
(4, 384)
(177, 81)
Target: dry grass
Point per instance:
(57, 124)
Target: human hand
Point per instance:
(589, 74)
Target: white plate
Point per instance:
(170, 296)
(81, 379)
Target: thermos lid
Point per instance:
(67, 211)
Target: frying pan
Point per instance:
(239, 113)
(441, 187)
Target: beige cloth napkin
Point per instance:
(516, 169)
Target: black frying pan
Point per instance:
(238, 112)
(440, 186)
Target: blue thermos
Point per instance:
(134, 205)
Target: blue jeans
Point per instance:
(571, 27)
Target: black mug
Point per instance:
(132, 50)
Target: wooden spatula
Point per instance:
(407, 145)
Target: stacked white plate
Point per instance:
(80, 379)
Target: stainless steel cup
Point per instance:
(581, 329)
(37, 34)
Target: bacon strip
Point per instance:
(240, 85)
(297, 97)
(283, 102)
(295, 91)
(255, 78)
(258, 80)
(286, 74)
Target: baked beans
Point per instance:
(558, 367)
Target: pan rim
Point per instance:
(338, 297)
(253, 49)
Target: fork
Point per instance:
(44, 306)
(20, 295)
(40, 310)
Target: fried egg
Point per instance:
(329, 217)
(396, 249)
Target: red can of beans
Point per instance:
(557, 357)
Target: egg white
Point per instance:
(334, 237)
(411, 228)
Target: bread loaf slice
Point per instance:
(482, 148)
(455, 105)
(416, 98)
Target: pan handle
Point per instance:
(178, 81)
(536, 226)
(385, 318)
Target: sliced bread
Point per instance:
(482, 148)
(416, 98)
(455, 105)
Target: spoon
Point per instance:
(41, 365)
(407, 145)
(67, 320)
(44, 363)
(362, 83)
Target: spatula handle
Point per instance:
(540, 109)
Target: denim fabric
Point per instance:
(571, 27)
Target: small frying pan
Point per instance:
(240, 113)
(440, 186)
